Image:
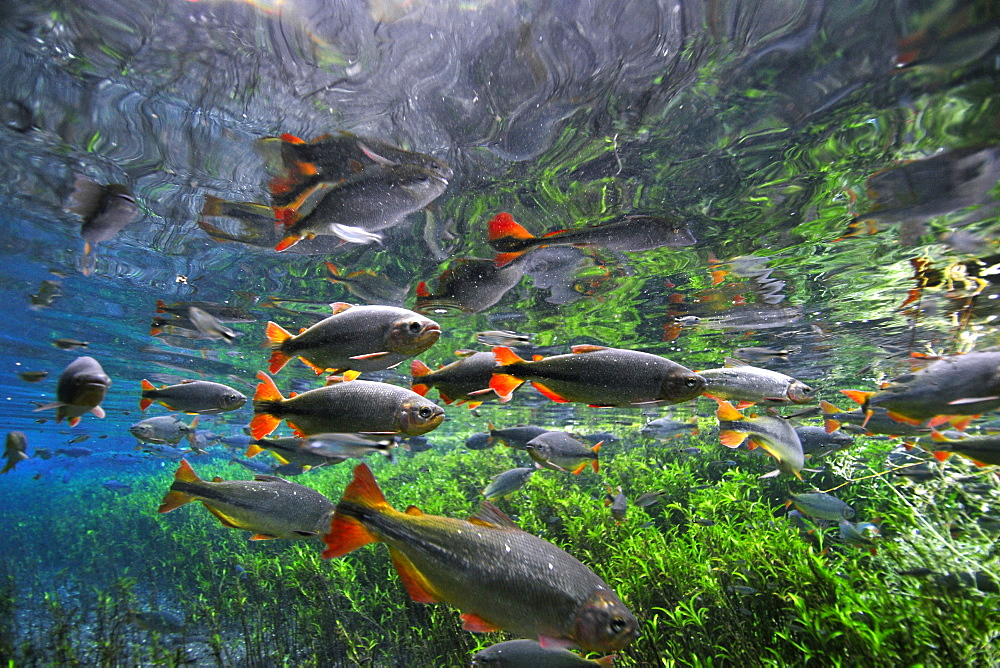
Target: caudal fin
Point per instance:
(417, 370)
(145, 402)
(265, 399)
(276, 336)
(347, 533)
(174, 498)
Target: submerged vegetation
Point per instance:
(713, 570)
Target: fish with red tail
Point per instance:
(630, 233)
(356, 406)
(982, 450)
(559, 451)
(268, 506)
(355, 338)
(598, 376)
(966, 384)
(467, 380)
(81, 389)
(498, 576)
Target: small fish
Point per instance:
(497, 575)
(860, 534)
(69, 344)
(160, 621)
(516, 437)
(74, 453)
(480, 441)
(192, 396)
(342, 446)
(664, 428)
(528, 653)
(48, 292)
(289, 451)
(630, 233)
(763, 354)
(33, 376)
(81, 389)
(43, 453)
(162, 451)
(350, 407)
(817, 442)
(598, 376)
(355, 338)
(957, 385)
(822, 506)
(267, 506)
(749, 385)
(503, 337)
(560, 451)
(467, 380)
(356, 209)
(79, 439)
(649, 498)
(506, 483)
(165, 429)
(370, 287)
(618, 503)
(15, 450)
(209, 326)
(773, 434)
(114, 485)
(417, 444)
(105, 210)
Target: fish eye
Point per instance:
(617, 625)
(690, 381)
(414, 327)
(425, 412)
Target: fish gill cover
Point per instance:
(806, 187)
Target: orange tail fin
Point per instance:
(858, 396)
(175, 499)
(277, 335)
(728, 412)
(347, 533)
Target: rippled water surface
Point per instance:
(829, 171)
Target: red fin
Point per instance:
(504, 226)
(144, 403)
(939, 437)
(262, 536)
(728, 412)
(831, 425)
(551, 394)
(503, 259)
(418, 369)
(287, 242)
(350, 375)
(175, 499)
(579, 469)
(315, 367)
(596, 465)
(444, 397)
(263, 424)
(587, 348)
(277, 335)
(339, 307)
(962, 423)
(732, 439)
(476, 624)
(942, 456)
(858, 396)
(266, 389)
(146, 385)
(161, 306)
(346, 533)
(537, 358)
(938, 420)
(828, 408)
(505, 356)
(902, 418)
(420, 389)
(422, 290)
(292, 139)
(744, 404)
(415, 583)
(504, 385)
(253, 450)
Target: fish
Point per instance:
(598, 376)
(750, 317)
(618, 503)
(355, 406)
(982, 450)
(518, 436)
(498, 576)
(875, 422)
(355, 338)
(506, 483)
(15, 450)
(747, 384)
(503, 337)
(343, 446)
(335, 157)
(69, 344)
(664, 428)
(165, 429)
(48, 292)
(560, 451)
(464, 381)
(528, 653)
(629, 233)
(104, 210)
(356, 209)
(417, 444)
(81, 389)
(267, 506)
(764, 353)
(649, 498)
(79, 439)
(192, 396)
(820, 505)
(114, 485)
(369, 286)
(180, 312)
(860, 534)
(774, 435)
(160, 621)
(481, 440)
(43, 453)
(210, 326)
(956, 385)
(817, 442)
(468, 285)
(289, 451)
(74, 453)
(32, 376)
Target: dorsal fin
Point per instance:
(340, 307)
(732, 362)
(587, 348)
(261, 477)
(491, 516)
(413, 510)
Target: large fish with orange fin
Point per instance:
(630, 233)
(598, 376)
(354, 406)
(498, 576)
(952, 386)
(355, 338)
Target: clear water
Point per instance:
(813, 149)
